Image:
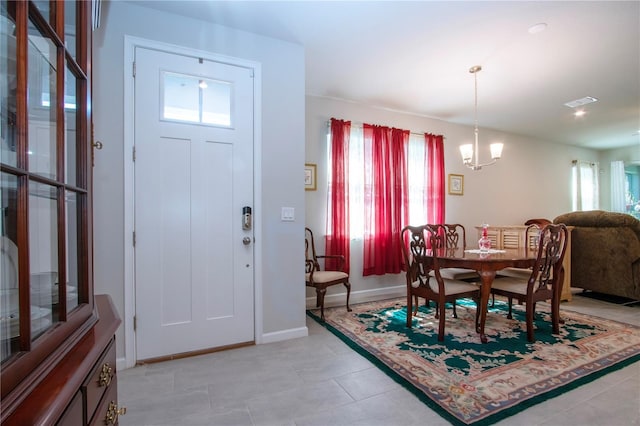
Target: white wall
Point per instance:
(281, 161)
(532, 180)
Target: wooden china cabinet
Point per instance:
(57, 346)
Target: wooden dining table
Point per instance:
(486, 264)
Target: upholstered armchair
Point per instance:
(605, 254)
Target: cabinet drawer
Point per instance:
(100, 379)
(73, 415)
(107, 412)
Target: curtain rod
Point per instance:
(359, 125)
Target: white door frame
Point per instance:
(130, 43)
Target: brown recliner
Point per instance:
(605, 252)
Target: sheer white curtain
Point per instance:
(416, 170)
(618, 187)
(586, 186)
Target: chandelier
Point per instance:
(467, 151)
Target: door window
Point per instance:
(195, 99)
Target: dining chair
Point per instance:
(420, 247)
(455, 237)
(544, 281)
(321, 278)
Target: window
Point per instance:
(632, 189)
(196, 99)
(416, 178)
(380, 180)
(585, 185)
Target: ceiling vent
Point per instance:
(581, 102)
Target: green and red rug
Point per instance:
(468, 382)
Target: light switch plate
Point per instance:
(288, 214)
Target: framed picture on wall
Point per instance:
(310, 177)
(456, 184)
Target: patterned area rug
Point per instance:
(468, 382)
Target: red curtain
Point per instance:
(337, 241)
(434, 178)
(386, 198)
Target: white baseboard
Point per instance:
(121, 364)
(330, 300)
(278, 336)
(339, 299)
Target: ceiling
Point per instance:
(415, 57)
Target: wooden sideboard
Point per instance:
(515, 236)
(80, 389)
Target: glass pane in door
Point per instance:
(43, 7)
(180, 97)
(71, 201)
(8, 135)
(43, 256)
(42, 103)
(195, 99)
(70, 26)
(216, 102)
(9, 306)
(70, 123)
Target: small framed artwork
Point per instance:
(456, 184)
(310, 177)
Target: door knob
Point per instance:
(246, 241)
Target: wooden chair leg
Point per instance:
(455, 314)
(409, 309)
(348, 286)
(509, 316)
(555, 312)
(477, 314)
(441, 322)
(530, 307)
(320, 292)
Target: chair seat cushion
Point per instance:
(322, 277)
(451, 287)
(457, 274)
(511, 284)
(523, 273)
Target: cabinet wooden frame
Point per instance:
(32, 358)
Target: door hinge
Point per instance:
(134, 238)
(134, 153)
(135, 323)
(133, 69)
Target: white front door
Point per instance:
(193, 176)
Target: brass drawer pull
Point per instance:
(105, 375)
(113, 412)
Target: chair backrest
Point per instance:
(419, 249)
(532, 234)
(455, 235)
(310, 249)
(552, 244)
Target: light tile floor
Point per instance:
(318, 380)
